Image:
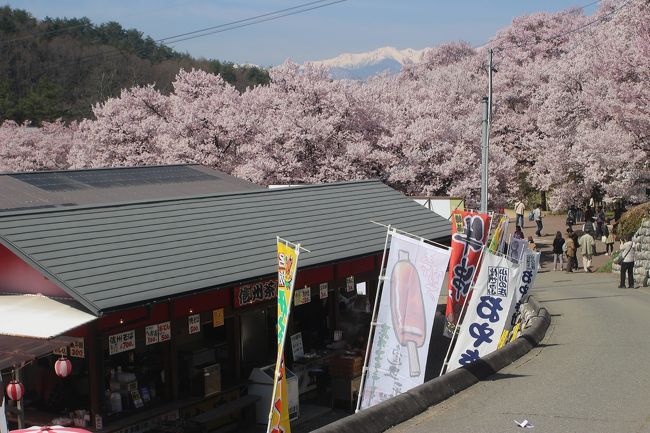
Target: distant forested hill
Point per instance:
(59, 68)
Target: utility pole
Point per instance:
(485, 139)
(484, 155)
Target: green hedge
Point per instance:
(631, 220)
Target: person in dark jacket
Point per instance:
(558, 247)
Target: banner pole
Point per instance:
(446, 247)
(380, 286)
(280, 354)
(461, 315)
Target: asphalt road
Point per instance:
(590, 374)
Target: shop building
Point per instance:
(183, 291)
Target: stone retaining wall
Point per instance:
(642, 254)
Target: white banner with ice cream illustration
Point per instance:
(487, 313)
(415, 272)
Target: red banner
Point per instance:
(469, 234)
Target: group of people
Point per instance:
(582, 241)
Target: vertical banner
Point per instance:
(517, 249)
(415, 272)
(499, 237)
(287, 265)
(487, 312)
(469, 234)
(528, 266)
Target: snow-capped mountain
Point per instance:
(363, 65)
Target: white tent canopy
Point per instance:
(38, 316)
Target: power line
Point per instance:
(244, 20)
(305, 7)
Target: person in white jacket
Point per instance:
(627, 265)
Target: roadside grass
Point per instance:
(607, 267)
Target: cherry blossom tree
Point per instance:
(28, 148)
(570, 118)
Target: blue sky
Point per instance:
(350, 26)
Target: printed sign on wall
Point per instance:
(121, 342)
(302, 296)
(194, 323)
(217, 317)
(77, 349)
(349, 284)
(256, 292)
(323, 290)
(165, 331)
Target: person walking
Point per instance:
(609, 237)
(570, 244)
(520, 208)
(627, 263)
(537, 216)
(600, 222)
(571, 217)
(558, 251)
(590, 227)
(586, 243)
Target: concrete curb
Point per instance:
(405, 406)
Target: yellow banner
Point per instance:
(287, 264)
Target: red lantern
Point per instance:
(15, 390)
(63, 367)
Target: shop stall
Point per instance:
(183, 297)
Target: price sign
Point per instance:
(194, 322)
(323, 289)
(121, 342)
(349, 284)
(77, 349)
(165, 331)
(302, 296)
(151, 334)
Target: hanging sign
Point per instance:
(77, 349)
(121, 342)
(349, 284)
(151, 335)
(217, 318)
(255, 292)
(62, 351)
(323, 290)
(466, 245)
(165, 331)
(194, 323)
(361, 288)
(157, 333)
(302, 296)
(415, 272)
(487, 312)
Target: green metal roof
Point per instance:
(112, 256)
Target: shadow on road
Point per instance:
(501, 376)
(582, 297)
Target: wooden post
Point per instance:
(93, 342)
